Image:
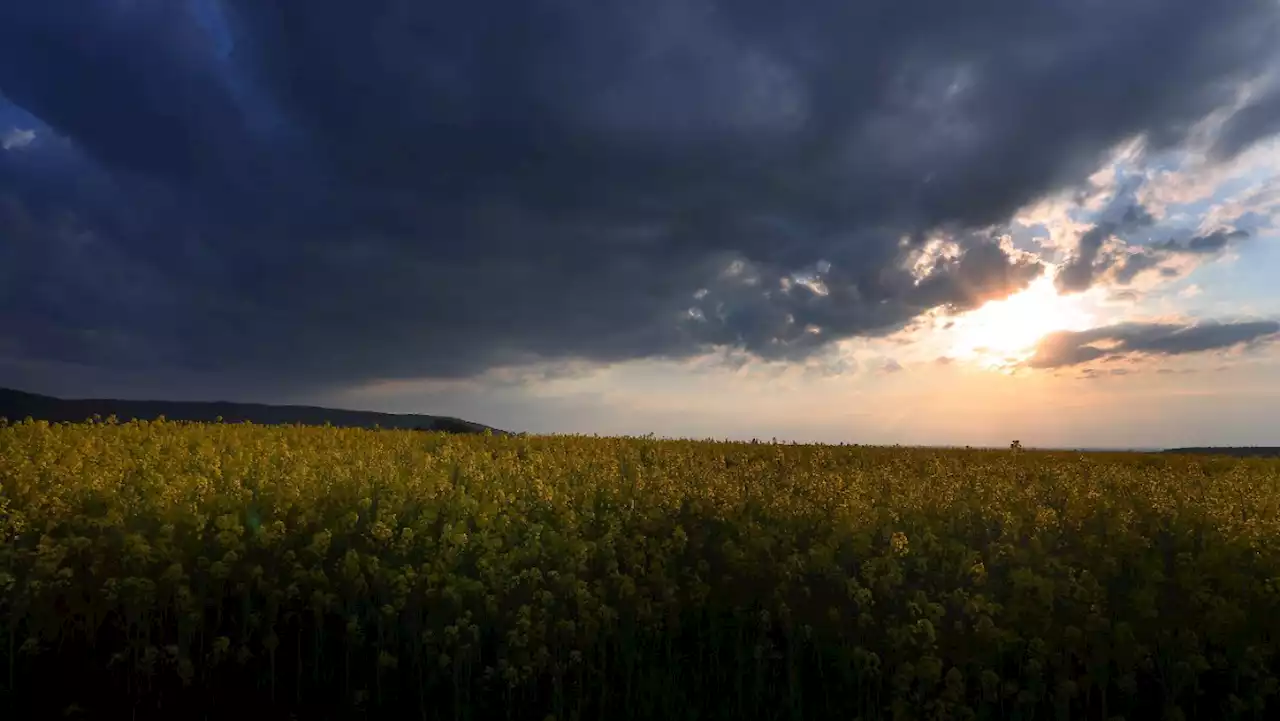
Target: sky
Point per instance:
(921, 222)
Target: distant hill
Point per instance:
(17, 405)
(1238, 452)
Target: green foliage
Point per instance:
(187, 570)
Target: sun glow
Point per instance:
(1003, 333)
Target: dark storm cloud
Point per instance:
(1072, 348)
(313, 193)
(130, 83)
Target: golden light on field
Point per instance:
(1003, 333)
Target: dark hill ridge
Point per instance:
(17, 405)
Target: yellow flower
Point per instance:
(898, 542)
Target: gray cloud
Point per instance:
(1124, 268)
(1210, 243)
(1090, 263)
(1255, 121)
(1084, 266)
(308, 195)
(1074, 348)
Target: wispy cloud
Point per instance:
(17, 139)
(891, 366)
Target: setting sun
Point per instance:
(1003, 333)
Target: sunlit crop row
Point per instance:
(189, 571)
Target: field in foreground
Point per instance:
(200, 571)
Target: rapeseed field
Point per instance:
(172, 570)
